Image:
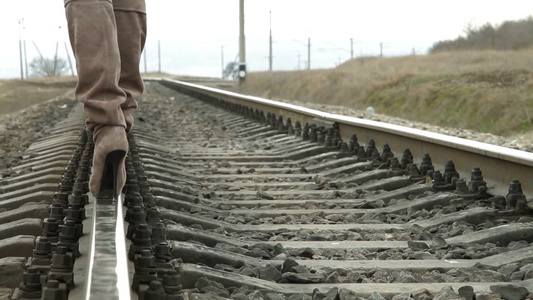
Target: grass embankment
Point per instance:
(487, 91)
(16, 94)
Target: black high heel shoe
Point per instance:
(108, 184)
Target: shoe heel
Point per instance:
(108, 186)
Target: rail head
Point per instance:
(500, 165)
(108, 275)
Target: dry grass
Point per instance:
(487, 91)
(16, 95)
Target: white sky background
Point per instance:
(192, 32)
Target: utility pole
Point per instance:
(242, 44)
(144, 54)
(25, 58)
(270, 45)
(222, 59)
(159, 54)
(38, 51)
(20, 50)
(55, 59)
(381, 49)
(309, 53)
(69, 61)
(351, 48)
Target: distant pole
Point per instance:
(222, 59)
(380, 49)
(144, 55)
(309, 53)
(68, 58)
(20, 50)
(38, 51)
(242, 44)
(270, 45)
(351, 48)
(25, 58)
(159, 55)
(298, 60)
(55, 60)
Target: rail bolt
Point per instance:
(159, 233)
(476, 180)
(43, 248)
(450, 172)
(426, 165)
(155, 291)
(31, 284)
(145, 269)
(515, 198)
(387, 154)
(54, 291)
(57, 212)
(51, 229)
(171, 283)
(61, 267)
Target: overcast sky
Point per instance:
(192, 33)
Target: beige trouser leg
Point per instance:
(131, 28)
(93, 35)
(107, 39)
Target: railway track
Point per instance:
(234, 197)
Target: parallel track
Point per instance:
(284, 200)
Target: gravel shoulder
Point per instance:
(20, 129)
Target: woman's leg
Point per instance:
(93, 36)
(130, 19)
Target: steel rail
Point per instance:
(500, 165)
(108, 276)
